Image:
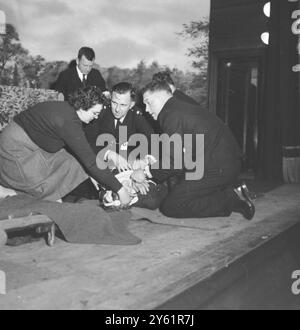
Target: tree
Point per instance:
(16, 76)
(115, 75)
(10, 48)
(198, 31)
(33, 68)
(49, 74)
(139, 73)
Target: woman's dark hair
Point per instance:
(86, 97)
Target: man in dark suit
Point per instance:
(80, 75)
(206, 158)
(122, 114)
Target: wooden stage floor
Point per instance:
(180, 264)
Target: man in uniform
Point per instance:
(122, 114)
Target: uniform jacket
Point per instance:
(135, 122)
(68, 81)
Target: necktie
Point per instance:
(84, 80)
(118, 123)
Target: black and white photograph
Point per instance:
(149, 157)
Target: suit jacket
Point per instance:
(134, 121)
(221, 150)
(68, 81)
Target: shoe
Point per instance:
(243, 203)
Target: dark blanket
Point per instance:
(84, 222)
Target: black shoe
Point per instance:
(243, 203)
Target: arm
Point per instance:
(164, 167)
(74, 137)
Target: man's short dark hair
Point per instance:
(87, 52)
(155, 86)
(86, 97)
(123, 88)
(163, 76)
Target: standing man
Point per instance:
(80, 75)
(213, 194)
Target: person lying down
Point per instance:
(148, 196)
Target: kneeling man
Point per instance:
(210, 189)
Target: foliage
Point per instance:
(19, 68)
(49, 73)
(10, 48)
(199, 32)
(16, 99)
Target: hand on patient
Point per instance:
(119, 161)
(139, 182)
(139, 164)
(124, 196)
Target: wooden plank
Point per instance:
(171, 260)
(240, 260)
(14, 223)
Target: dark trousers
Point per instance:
(212, 196)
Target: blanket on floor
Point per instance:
(84, 223)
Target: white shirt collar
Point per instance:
(121, 120)
(80, 74)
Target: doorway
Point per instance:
(238, 86)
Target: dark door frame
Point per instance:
(216, 56)
(214, 59)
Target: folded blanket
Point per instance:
(84, 222)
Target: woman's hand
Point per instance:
(143, 163)
(119, 161)
(124, 197)
(139, 164)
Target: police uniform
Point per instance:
(212, 195)
(134, 121)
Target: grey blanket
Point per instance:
(84, 222)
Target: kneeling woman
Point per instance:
(33, 158)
